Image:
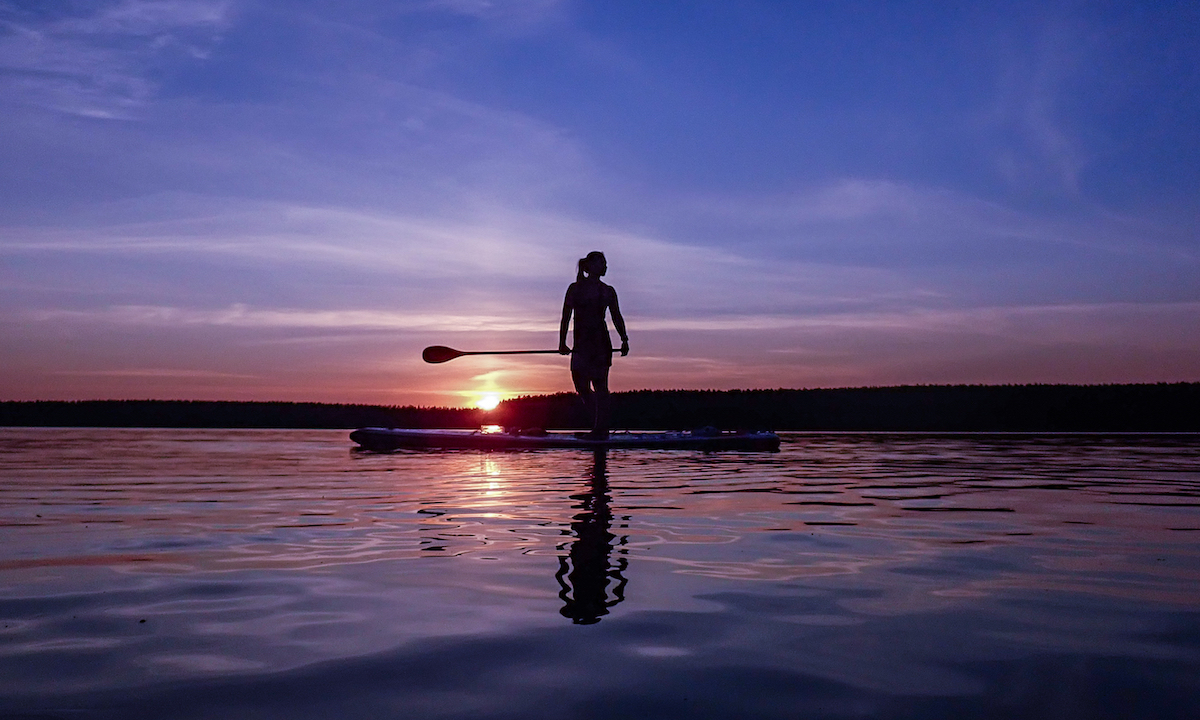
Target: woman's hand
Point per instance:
(563, 349)
(624, 347)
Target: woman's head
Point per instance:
(594, 264)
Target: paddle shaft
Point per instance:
(507, 352)
(441, 354)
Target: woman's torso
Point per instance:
(589, 300)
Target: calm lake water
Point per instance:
(278, 574)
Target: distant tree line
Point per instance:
(219, 414)
(1163, 407)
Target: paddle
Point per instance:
(441, 353)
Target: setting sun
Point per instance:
(488, 402)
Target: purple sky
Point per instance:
(246, 199)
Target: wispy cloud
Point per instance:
(1041, 148)
(442, 267)
(97, 59)
(241, 316)
(507, 10)
(168, 373)
(885, 215)
(1066, 320)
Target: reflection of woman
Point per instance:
(584, 574)
(588, 299)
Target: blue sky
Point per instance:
(249, 200)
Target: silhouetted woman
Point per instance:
(589, 299)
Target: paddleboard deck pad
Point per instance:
(388, 439)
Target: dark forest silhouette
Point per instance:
(1164, 407)
(222, 414)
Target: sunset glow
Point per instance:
(488, 402)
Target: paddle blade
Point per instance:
(439, 354)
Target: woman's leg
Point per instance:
(603, 405)
(583, 388)
(593, 393)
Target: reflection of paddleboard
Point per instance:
(385, 439)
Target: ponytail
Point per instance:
(587, 264)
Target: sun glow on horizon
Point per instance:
(488, 402)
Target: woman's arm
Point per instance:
(619, 323)
(568, 306)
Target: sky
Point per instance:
(254, 200)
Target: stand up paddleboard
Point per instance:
(388, 439)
